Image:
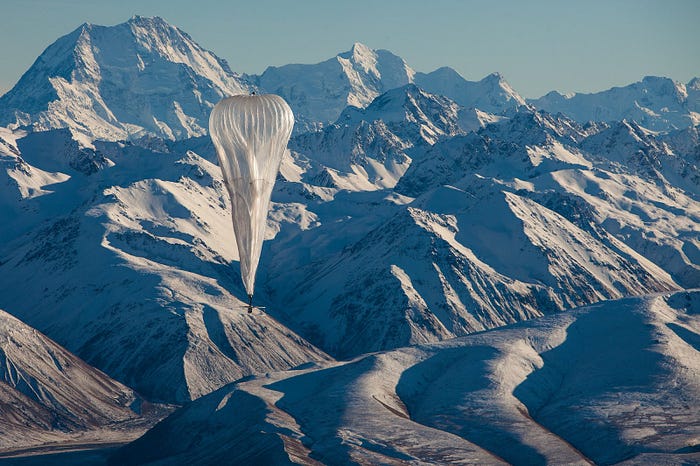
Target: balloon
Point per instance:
(250, 134)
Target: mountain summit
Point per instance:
(121, 82)
(492, 94)
(657, 103)
(318, 93)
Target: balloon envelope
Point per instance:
(250, 134)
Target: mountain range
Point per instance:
(412, 209)
(50, 397)
(614, 383)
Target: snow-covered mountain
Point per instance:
(527, 144)
(146, 77)
(616, 383)
(685, 143)
(656, 103)
(47, 395)
(492, 94)
(517, 220)
(369, 148)
(122, 82)
(522, 218)
(318, 93)
(425, 208)
(460, 260)
(131, 269)
(618, 181)
(411, 113)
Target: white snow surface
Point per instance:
(509, 223)
(618, 381)
(132, 265)
(142, 77)
(49, 396)
(413, 219)
(656, 103)
(132, 247)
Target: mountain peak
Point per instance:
(359, 48)
(138, 19)
(656, 79)
(492, 94)
(494, 77)
(666, 87)
(655, 102)
(360, 53)
(395, 100)
(136, 78)
(410, 112)
(318, 93)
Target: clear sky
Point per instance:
(570, 46)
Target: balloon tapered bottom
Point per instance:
(250, 304)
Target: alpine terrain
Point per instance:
(451, 272)
(50, 397)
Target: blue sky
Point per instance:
(581, 46)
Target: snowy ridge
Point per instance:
(492, 94)
(121, 82)
(146, 77)
(369, 149)
(148, 239)
(528, 393)
(471, 280)
(318, 93)
(656, 103)
(49, 396)
(409, 112)
(525, 228)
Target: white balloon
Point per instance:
(250, 134)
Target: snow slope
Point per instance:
(529, 215)
(134, 268)
(510, 222)
(318, 93)
(370, 148)
(492, 94)
(122, 82)
(618, 181)
(614, 382)
(391, 226)
(49, 396)
(657, 103)
(454, 262)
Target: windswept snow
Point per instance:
(122, 82)
(619, 381)
(655, 102)
(420, 209)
